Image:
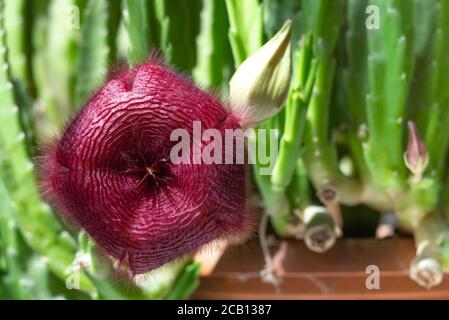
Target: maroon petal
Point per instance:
(111, 171)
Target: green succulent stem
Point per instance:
(299, 191)
(436, 137)
(295, 115)
(390, 68)
(213, 54)
(39, 227)
(10, 245)
(138, 25)
(245, 28)
(93, 53)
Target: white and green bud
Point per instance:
(260, 85)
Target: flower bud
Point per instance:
(261, 83)
(416, 157)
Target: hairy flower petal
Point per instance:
(111, 170)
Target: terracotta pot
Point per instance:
(337, 274)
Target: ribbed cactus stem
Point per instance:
(295, 114)
(355, 81)
(436, 138)
(300, 191)
(390, 67)
(245, 28)
(165, 29)
(60, 53)
(135, 14)
(54, 35)
(212, 50)
(14, 18)
(320, 154)
(93, 52)
(10, 245)
(39, 227)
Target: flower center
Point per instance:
(150, 170)
(152, 174)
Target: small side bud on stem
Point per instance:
(260, 85)
(416, 156)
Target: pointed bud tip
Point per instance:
(261, 83)
(286, 28)
(416, 157)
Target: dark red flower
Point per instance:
(111, 170)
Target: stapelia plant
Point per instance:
(361, 125)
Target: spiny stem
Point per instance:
(295, 114)
(436, 139)
(40, 228)
(93, 54)
(213, 54)
(245, 28)
(135, 13)
(390, 66)
(10, 247)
